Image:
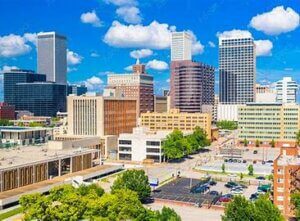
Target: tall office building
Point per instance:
(192, 86)
(137, 85)
(76, 89)
(100, 116)
(181, 46)
(29, 91)
(237, 67)
(52, 57)
(286, 90)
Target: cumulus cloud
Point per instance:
(157, 65)
(31, 37)
(278, 20)
(129, 14)
(235, 33)
(211, 44)
(197, 47)
(91, 18)
(128, 68)
(121, 2)
(153, 36)
(94, 54)
(6, 68)
(73, 58)
(13, 45)
(263, 47)
(143, 53)
(94, 83)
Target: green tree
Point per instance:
(5, 122)
(245, 142)
(257, 143)
(135, 180)
(298, 138)
(167, 214)
(173, 146)
(35, 124)
(223, 168)
(241, 176)
(250, 170)
(241, 209)
(295, 200)
(272, 143)
(201, 137)
(227, 125)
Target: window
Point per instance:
(128, 142)
(152, 143)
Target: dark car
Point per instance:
(230, 184)
(255, 152)
(260, 178)
(263, 162)
(244, 161)
(270, 161)
(225, 160)
(254, 196)
(214, 193)
(212, 183)
(230, 160)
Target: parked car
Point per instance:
(254, 196)
(265, 188)
(254, 161)
(230, 184)
(270, 161)
(255, 152)
(230, 160)
(235, 160)
(214, 193)
(225, 160)
(237, 191)
(239, 161)
(244, 161)
(224, 199)
(260, 178)
(212, 183)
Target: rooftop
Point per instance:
(21, 129)
(286, 160)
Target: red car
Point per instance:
(224, 199)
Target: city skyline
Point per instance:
(97, 31)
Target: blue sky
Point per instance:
(102, 33)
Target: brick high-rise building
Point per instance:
(137, 85)
(100, 116)
(286, 179)
(192, 86)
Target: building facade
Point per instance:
(177, 120)
(181, 46)
(160, 104)
(52, 56)
(141, 145)
(137, 85)
(267, 122)
(286, 90)
(264, 94)
(286, 179)
(7, 112)
(76, 89)
(100, 116)
(191, 86)
(237, 69)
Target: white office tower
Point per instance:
(52, 56)
(181, 46)
(286, 90)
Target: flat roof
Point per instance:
(28, 155)
(21, 129)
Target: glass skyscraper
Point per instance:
(237, 68)
(52, 57)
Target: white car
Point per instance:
(236, 191)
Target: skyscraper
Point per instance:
(181, 46)
(138, 85)
(286, 90)
(192, 86)
(237, 65)
(52, 56)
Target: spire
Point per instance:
(137, 61)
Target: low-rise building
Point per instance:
(19, 136)
(28, 120)
(141, 145)
(227, 112)
(160, 104)
(286, 179)
(7, 111)
(177, 120)
(266, 122)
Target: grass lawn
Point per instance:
(10, 213)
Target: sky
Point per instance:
(109, 35)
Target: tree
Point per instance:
(35, 124)
(241, 176)
(167, 214)
(295, 200)
(298, 138)
(173, 146)
(272, 143)
(260, 210)
(223, 168)
(250, 170)
(135, 180)
(245, 142)
(227, 125)
(257, 143)
(5, 122)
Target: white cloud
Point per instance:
(157, 65)
(7, 68)
(168, 80)
(128, 68)
(94, 54)
(276, 21)
(13, 45)
(94, 83)
(197, 47)
(235, 33)
(129, 14)
(263, 47)
(143, 53)
(153, 36)
(31, 37)
(73, 58)
(211, 44)
(121, 2)
(91, 18)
